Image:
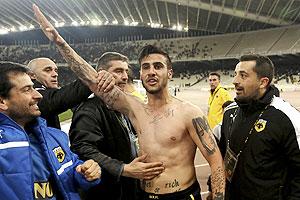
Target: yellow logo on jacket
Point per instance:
(260, 125)
(43, 190)
(59, 153)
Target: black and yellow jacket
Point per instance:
(269, 165)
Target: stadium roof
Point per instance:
(215, 16)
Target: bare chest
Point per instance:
(162, 128)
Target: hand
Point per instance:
(106, 81)
(90, 169)
(139, 169)
(47, 27)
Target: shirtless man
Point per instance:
(169, 130)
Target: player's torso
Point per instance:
(164, 137)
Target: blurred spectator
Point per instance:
(218, 96)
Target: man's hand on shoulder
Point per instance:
(90, 169)
(139, 169)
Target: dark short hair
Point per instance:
(264, 66)
(150, 49)
(107, 57)
(9, 69)
(215, 74)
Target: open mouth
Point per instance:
(35, 106)
(238, 89)
(152, 81)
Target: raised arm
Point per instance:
(109, 93)
(79, 66)
(203, 137)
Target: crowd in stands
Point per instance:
(177, 49)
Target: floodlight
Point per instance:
(74, 23)
(3, 31)
(134, 23)
(179, 27)
(126, 22)
(22, 28)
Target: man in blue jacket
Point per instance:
(35, 160)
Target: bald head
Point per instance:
(44, 71)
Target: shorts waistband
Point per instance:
(175, 195)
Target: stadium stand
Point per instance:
(284, 40)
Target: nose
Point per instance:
(124, 76)
(235, 79)
(54, 74)
(152, 70)
(37, 95)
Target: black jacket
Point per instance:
(56, 101)
(269, 165)
(97, 133)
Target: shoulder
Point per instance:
(231, 107)
(288, 110)
(223, 91)
(189, 110)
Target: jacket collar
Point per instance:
(215, 90)
(37, 85)
(6, 120)
(258, 104)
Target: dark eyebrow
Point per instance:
(158, 63)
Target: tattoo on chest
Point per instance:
(205, 135)
(158, 116)
(172, 184)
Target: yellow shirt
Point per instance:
(215, 102)
(139, 95)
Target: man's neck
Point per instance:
(159, 99)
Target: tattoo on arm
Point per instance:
(113, 99)
(205, 135)
(110, 98)
(218, 183)
(82, 69)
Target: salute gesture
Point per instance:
(79, 66)
(47, 27)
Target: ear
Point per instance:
(170, 73)
(32, 75)
(264, 82)
(3, 106)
